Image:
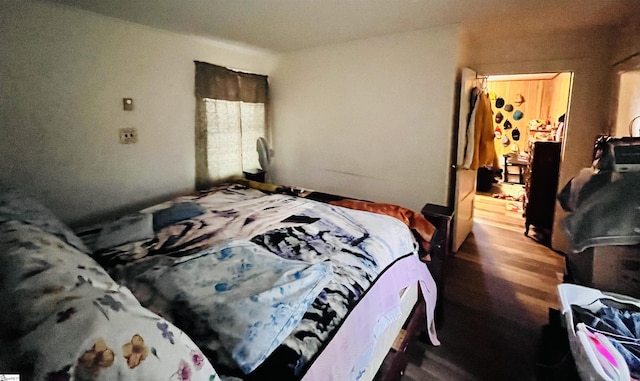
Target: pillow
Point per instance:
(175, 213)
(16, 205)
(131, 228)
(36, 265)
(69, 320)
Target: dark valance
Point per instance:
(217, 82)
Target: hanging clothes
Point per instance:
(470, 145)
(484, 149)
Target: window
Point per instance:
(231, 115)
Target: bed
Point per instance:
(327, 306)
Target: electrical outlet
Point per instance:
(128, 135)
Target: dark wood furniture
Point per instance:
(541, 187)
(255, 175)
(440, 217)
(395, 363)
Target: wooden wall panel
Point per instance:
(543, 99)
(562, 86)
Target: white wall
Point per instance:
(628, 105)
(64, 73)
(369, 118)
(627, 66)
(626, 43)
(587, 54)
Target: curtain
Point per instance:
(231, 110)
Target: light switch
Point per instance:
(127, 104)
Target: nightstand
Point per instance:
(440, 217)
(255, 175)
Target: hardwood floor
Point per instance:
(498, 290)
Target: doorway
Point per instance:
(527, 108)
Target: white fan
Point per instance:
(264, 153)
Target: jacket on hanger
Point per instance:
(484, 153)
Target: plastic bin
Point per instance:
(585, 358)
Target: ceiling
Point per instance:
(288, 25)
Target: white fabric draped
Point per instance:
(232, 130)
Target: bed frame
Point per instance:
(391, 367)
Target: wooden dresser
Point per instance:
(541, 187)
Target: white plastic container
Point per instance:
(583, 352)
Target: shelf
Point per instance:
(542, 130)
(520, 165)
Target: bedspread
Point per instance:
(358, 246)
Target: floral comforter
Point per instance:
(64, 318)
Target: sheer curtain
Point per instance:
(231, 112)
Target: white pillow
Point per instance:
(131, 228)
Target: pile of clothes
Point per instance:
(604, 204)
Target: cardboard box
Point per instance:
(608, 268)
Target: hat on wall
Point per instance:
(499, 102)
(498, 132)
(515, 134)
(507, 124)
(518, 100)
(499, 117)
(508, 107)
(505, 141)
(517, 115)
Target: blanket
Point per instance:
(358, 245)
(610, 216)
(413, 220)
(252, 298)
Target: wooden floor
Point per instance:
(498, 290)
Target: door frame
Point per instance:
(457, 134)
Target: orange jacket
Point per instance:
(484, 153)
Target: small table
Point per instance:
(521, 165)
(440, 216)
(255, 175)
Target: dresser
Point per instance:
(541, 187)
